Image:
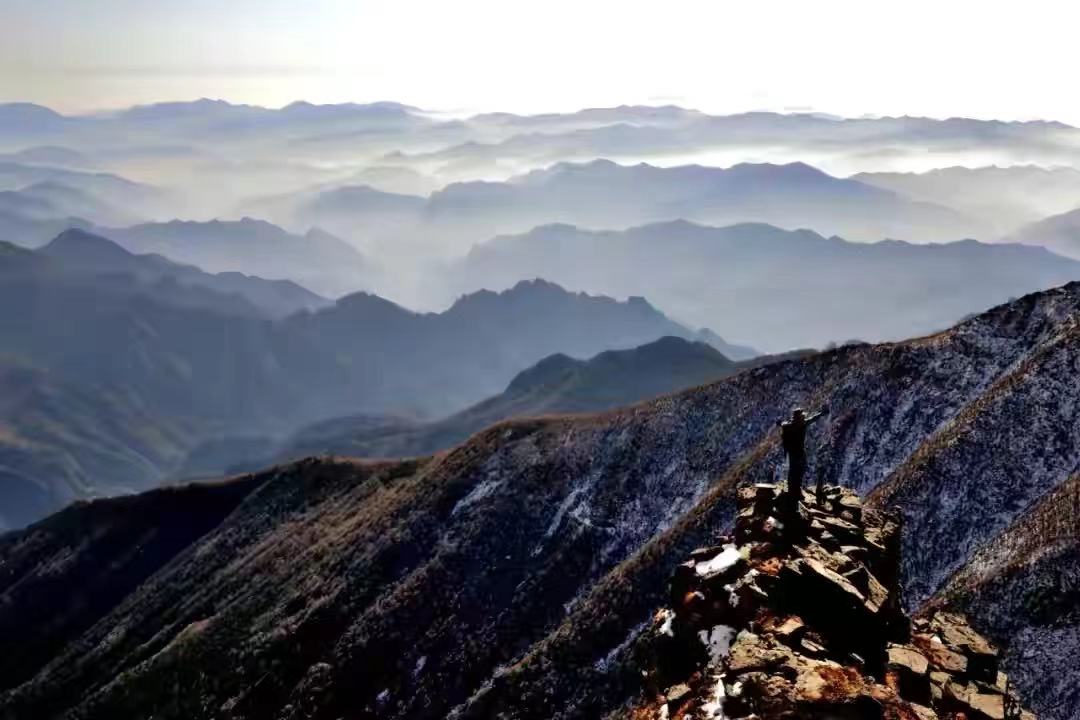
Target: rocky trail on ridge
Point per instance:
(798, 614)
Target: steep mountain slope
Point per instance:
(316, 260)
(557, 384)
(83, 252)
(512, 575)
(1060, 233)
(1023, 587)
(167, 520)
(61, 441)
(775, 289)
(959, 508)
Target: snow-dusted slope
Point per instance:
(510, 576)
(1024, 587)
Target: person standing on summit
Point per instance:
(793, 436)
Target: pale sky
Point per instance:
(1008, 60)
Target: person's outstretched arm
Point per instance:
(816, 416)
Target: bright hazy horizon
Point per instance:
(971, 59)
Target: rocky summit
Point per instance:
(799, 614)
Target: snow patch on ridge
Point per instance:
(723, 561)
(604, 663)
(481, 491)
(718, 642)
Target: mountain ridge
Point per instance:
(320, 584)
(700, 272)
(172, 366)
(557, 384)
(85, 252)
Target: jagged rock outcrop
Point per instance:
(799, 615)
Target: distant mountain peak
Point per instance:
(367, 303)
(546, 372)
(77, 244)
(25, 110)
(303, 107)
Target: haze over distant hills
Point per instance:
(842, 144)
(409, 188)
(1004, 198)
(317, 260)
(214, 157)
(606, 195)
(1060, 233)
(84, 253)
(104, 194)
(556, 384)
(771, 288)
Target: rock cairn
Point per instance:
(799, 615)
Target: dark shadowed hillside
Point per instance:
(61, 440)
(557, 384)
(85, 538)
(437, 363)
(513, 575)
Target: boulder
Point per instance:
(910, 672)
(982, 658)
(940, 656)
(677, 695)
(753, 653)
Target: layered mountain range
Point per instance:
(1059, 233)
(515, 574)
(558, 384)
(605, 195)
(208, 159)
(775, 289)
(540, 482)
(316, 260)
(1005, 198)
(121, 364)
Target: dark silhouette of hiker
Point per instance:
(793, 435)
